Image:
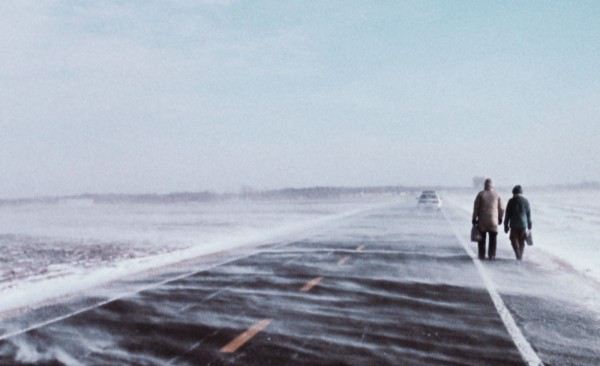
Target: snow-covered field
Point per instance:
(50, 250)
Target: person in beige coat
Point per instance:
(487, 215)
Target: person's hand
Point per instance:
(529, 227)
(506, 229)
(500, 222)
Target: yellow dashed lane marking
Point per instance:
(243, 338)
(343, 260)
(310, 284)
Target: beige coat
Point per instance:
(487, 210)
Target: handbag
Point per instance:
(475, 234)
(529, 238)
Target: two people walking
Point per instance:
(488, 215)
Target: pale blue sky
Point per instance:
(157, 96)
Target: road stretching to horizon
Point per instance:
(389, 287)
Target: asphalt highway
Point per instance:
(393, 287)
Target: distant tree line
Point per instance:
(319, 192)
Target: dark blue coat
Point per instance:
(518, 214)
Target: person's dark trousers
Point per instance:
(492, 245)
(517, 239)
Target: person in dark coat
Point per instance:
(518, 219)
(487, 215)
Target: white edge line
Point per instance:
(528, 354)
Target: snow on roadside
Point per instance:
(64, 278)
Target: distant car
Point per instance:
(430, 199)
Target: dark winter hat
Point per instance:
(518, 190)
